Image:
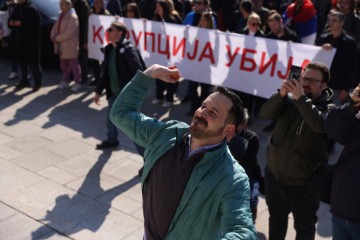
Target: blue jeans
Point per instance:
(112, 131)
(343, 229)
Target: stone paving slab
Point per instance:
(55, 185)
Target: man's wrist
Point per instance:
(151, 71)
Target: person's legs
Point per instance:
(75, 69)
(64, 66)
(34, 65)
(195, 99)
(342, 229)
(304, 206)
(159, 89)
(112, 131)
(83, 60)
(254, 197)
(278, 207)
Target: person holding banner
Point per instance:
(192, 186)
(121, 61)
(297, 146)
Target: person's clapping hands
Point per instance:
(355, 96)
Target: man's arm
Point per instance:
(236, 219)
(124, 113)
(341, 120)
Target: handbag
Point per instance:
(321, 181)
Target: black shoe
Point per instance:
(20, 85)
(141, 171)
(93, 84)
(106, 144)
(36, 88)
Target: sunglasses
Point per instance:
(129, 10)
(198, 3)
(110, 30)
(255, 24)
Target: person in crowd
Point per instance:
(206, 21)
(239, 17)
(132, 10)
(301, 17)
(352, 27)
(344, 62)
(65, 35)
(244, 146)
(343, 126)
(251, 102)
(258, 7)
(163, 14)
(147, 8)
(25, 21)
(98, 8)
(297, 145)
(193, 19)
(82, 10)
(194, 188)
(121, 61)
(114, 7)
(278, 31)
(224, 10)
(10, 6)
(174, 12)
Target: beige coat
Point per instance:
(66, 42)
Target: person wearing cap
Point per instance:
(121, 61)
(192, 186)
(297, 147)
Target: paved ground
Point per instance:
(55, 185)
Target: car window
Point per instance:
(50, 8)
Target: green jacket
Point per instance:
(298, 143)
(215, 203)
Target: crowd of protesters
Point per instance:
(328, 24)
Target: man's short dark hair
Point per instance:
(322, 68)
(120, 26)
(236, 113)
(339, 14)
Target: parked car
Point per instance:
(49, 11)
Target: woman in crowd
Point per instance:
(65, 35)
(132, 10)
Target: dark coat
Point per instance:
(128, 62)
(288, 36)
(298, 143)
(259, 33)
(82, 10)
(343, 126)
(342, 70)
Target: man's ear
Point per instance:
(229, 130)
(324, 85)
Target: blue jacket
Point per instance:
(215, 203)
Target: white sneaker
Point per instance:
(167, 104)
(63, 85)
(156, 101)
(76, 87)
(13, 75)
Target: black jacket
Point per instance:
(342, 70)
(288, 36)
(128, 62)
(259, 33)
(343, 126)
(82, 10)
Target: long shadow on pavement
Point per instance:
(70, 213)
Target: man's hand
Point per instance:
(295, 88)
(343, 94)
(167, 74)
(97, 99)
(327, 46)
(355, 96)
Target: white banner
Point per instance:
(249, 64)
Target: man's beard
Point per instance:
(198, 129)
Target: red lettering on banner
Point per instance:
(96, 34)
(136, 39)
(231, 56)
(283, 76)
(250, 60)
(196, 45)
(107, 37)
(152, 35)
(177, 47)
(272, 61)
(305, 62)
(207, 52)
(167, 46)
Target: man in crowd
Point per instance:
(121, 62)
(192, 186)
(297, 145)
(343, 126)
(25, 21)
(343, 65)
